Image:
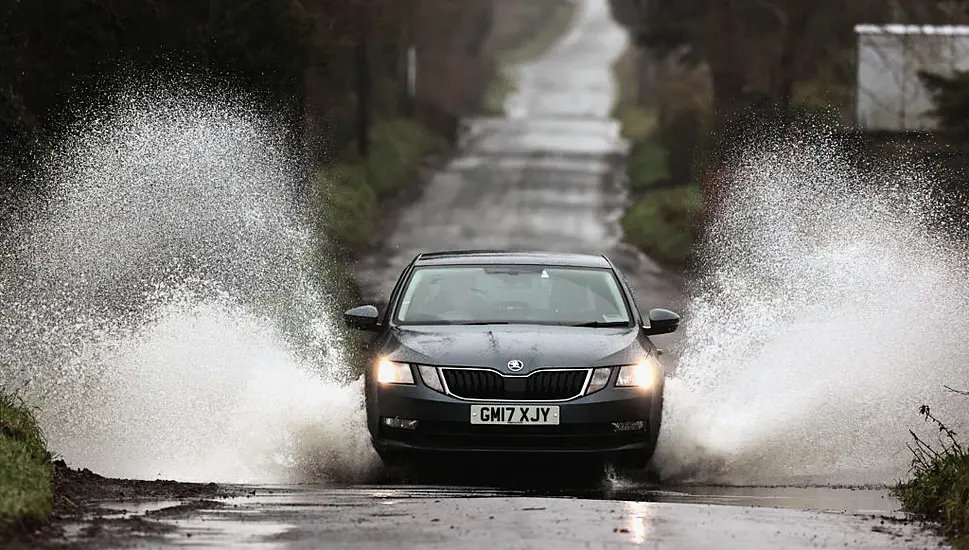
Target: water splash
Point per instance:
(833, 304)
(163, 308)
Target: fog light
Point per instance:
(400, 423)
(628, 426)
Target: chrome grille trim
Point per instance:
(447, 390)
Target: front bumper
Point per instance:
(444, 424)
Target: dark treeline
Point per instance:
(60, 57)
(327, 66)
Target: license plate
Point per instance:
(536, 415)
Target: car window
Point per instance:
(512, 294)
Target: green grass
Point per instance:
(399, 146)
(648, 157)
(627, 109)
(662, 224)
(648, 165)
(638, 125)
(662, 221)
(347, 201)
(499, 88)
(533, 31)
(938, 490)
(348, 194)
(26, 471)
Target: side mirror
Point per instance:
(362, 318)
(662, 321)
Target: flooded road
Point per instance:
(547, 177)
(459, 517)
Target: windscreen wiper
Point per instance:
(468, 323)
(597, 324)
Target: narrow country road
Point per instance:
(547, 177)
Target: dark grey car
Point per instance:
(501, 352)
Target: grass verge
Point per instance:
(499, 87)
(348, 194)
(938, 490)
(530, 29)
(26, 470)
(662, 221)
(648, 157)
(348, 199)
(648, 165)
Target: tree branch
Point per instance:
(960, 392)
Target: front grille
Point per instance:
(546, 385)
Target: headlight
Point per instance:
(430, 378)
(600, 377)
(390, 372)
(642, 375)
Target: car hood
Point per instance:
(535, 346)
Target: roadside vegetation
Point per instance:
(523, 31)
(26, 470)
(663, 224)
(354, 194)
(938, 490)
(352, 197)
(349, 193)
(702, 81)
(662, 220)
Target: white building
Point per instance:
(890, 95)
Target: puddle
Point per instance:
(224, 532)
(136, 507)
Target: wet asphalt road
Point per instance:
(548, 177)
(435, 517)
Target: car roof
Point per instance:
(498, 257)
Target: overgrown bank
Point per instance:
(938, 490)
(348, 194)
(351, 197)
(26, 470)
(662, 220)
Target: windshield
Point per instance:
(521, 294)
